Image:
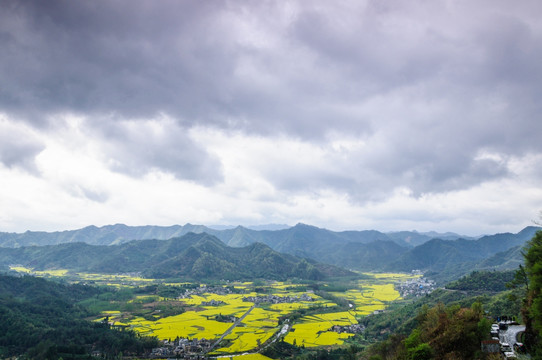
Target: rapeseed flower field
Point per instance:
(199, 319)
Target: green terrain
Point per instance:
(116, 300)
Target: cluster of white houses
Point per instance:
(183, 349)
(274, 299)
(219, 290)
(415, 287)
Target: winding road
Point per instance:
(510, 334)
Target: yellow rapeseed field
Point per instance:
(257, 327)
(313, 331)
(52, 272)
(187, 325)
(261, 324)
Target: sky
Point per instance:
(369, 114)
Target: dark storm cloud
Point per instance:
(137, 59)
(430, 86)
(125, 58)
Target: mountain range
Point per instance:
(194, 256)
(445, 256)
(232, 236)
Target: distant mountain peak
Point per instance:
(268, 227)
(303, 225)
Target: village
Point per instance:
(274, 299)
(415, 287)
(182, 348)
(203, 289)
(352, 329)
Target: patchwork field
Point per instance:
(314, 330)
(255, 329)
(263, 321)
(202, 314)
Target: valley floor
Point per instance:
(236, 318)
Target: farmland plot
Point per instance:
(314, 330)
(188, 325)
(255, 330)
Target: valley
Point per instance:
(196, 296)
(236, 317)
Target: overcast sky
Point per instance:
(386, 115)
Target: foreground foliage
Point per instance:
(532, 310)
(39, 319)
(442, 333)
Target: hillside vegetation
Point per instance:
(196, 256)
(43, 320)
(442, 332)
(491, 292)
(484, 281)
(444, 257)
(450, 323)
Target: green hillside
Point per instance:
(43, 320)
(446, 260)
(195, 256)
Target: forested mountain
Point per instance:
(446, 258)
(361, 250)
(42, 320)
(483, 281)
(508, 259)
(452, 258)
(458, 319)
(198, 256)
(372, 256)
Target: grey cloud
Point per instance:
(134, 59)
(137, 59)
(163, 147)
(18, 150)
(125, 58)
(428, 178)
(85, 192)
(371, 174)
(456, 52)
(453, 79)
(97, 196)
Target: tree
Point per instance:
(447, 331)
(421, 352)
(532, 311)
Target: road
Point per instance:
(237, 322)
(509, 335)
(283, 331)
